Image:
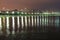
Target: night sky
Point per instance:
(30, 4)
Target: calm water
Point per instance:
(31, 27)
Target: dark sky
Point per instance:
(31, 4)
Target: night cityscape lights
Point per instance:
(19, 21)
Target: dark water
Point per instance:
(24, 36)
(43, 32)
(31, 36)
(52, 30)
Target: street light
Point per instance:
(7, 11)
(13, 12)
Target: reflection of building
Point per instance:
(29, 23)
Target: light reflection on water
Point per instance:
(57, 23)
(0, 24)
(39, 21)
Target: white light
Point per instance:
(46, 13)
(18, 21)
(32, 21)
(55, 13)
(7, 22)
(13, 23)
(22, 21)
(7, 12)
(13, 12)
(35, 21)
(26, 21)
